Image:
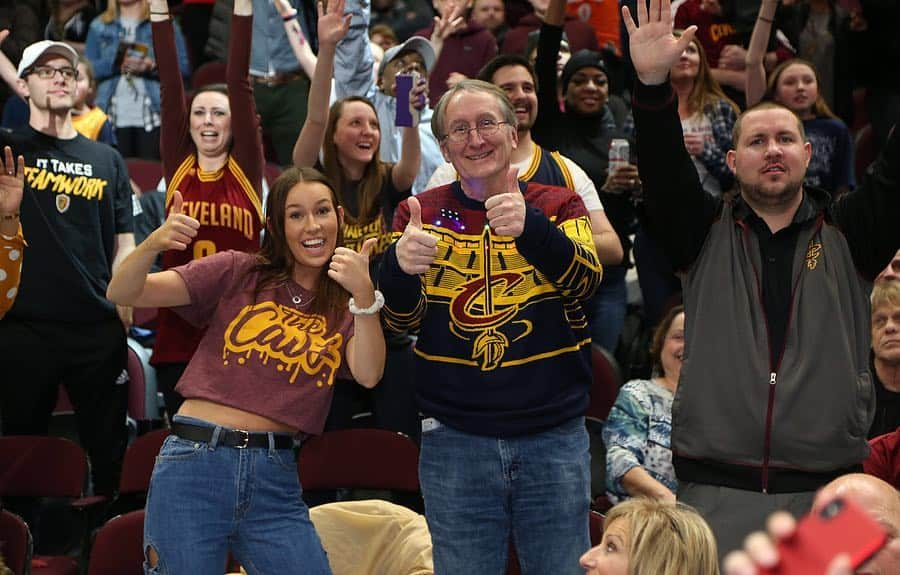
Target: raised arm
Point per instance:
(547, 129)
(868, 214)
(407, 168)
(353, 55)
(756, 52)
(247, 135)
(8, 70)
(677, 212)
(12, 185)
(445, 26)
(133, 285)
(333, 26)
(296, 37)
(175, 135)
(366, 349)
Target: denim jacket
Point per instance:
(353, 76)
(101, 48)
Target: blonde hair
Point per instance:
(112, 11)
(666, 538)
(885, 294)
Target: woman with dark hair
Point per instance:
(348, 136)
(212, 154)
(279, 328)
(637, 431)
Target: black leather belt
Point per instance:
(237, 438)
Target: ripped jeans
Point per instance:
(206, 500)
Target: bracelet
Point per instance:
(769, 20)
(153, 13)
(9, 217)
(372, 309)
(289, 18)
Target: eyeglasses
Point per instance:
(486, 128)
(49, 72)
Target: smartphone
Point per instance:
(407, 115)
(838, 527)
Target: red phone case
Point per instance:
(839, 527)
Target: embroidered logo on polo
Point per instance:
(292, 340)
(813, 251)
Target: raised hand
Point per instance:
(449, 23)
(177, 231)
(417, 248)
(654, 49)
(351, 270)
(506, 211)
(333, 23)
(12, 182)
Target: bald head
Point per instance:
(882, 502)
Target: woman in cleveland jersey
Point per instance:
(213, 154)
(348, 137)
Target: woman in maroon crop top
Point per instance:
(280, 327)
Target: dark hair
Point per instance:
(275, 263)
(218, 88)
(820, 107)
(373, 176)
(764, 105)
(502, 61)
(659, 336)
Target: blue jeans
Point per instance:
(606, 310)
(206, 500)
(479, 490)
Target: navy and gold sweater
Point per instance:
(504, 346)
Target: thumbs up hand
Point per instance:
(417, 248)
(351, 270)
(177, 231)
(506, 211)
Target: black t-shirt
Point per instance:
(77, 198)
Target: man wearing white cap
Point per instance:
(353, 77)
(61, 329)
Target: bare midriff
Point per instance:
(231, 417)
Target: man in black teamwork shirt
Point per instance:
(77, 211)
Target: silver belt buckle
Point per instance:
(246, 437)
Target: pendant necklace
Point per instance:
(296, 299)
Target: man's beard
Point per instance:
(757, 197)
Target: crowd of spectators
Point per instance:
(465, 157)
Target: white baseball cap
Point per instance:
(32, 54)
